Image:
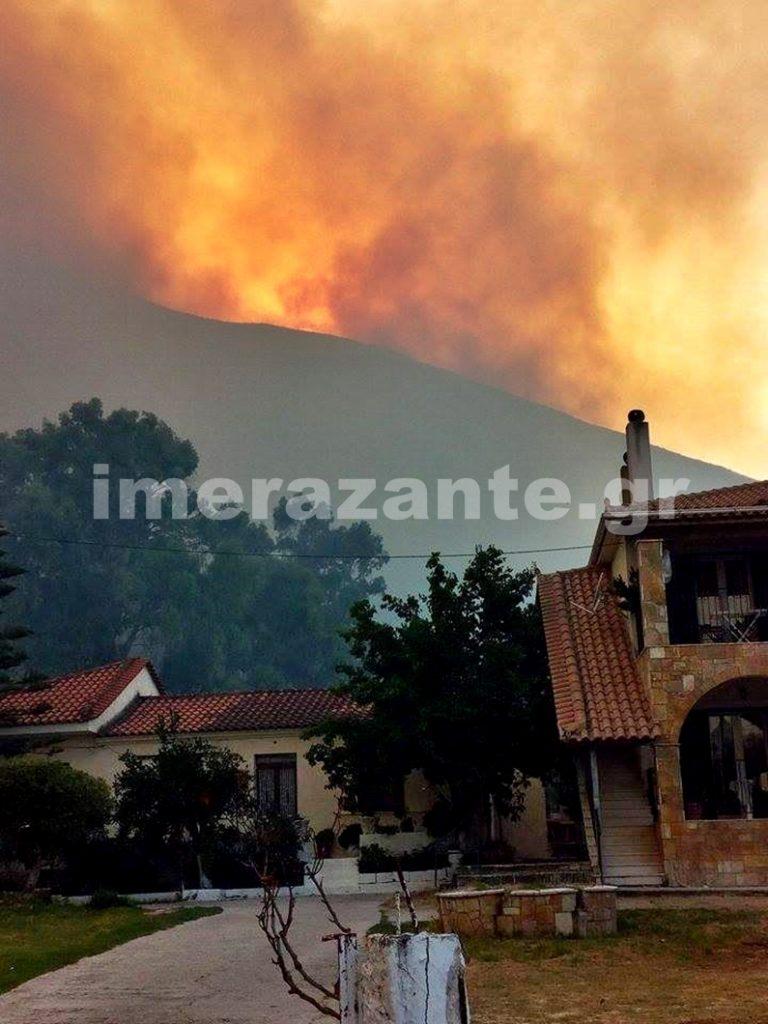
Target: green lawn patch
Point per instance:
(36, 936)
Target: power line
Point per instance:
(79, 542)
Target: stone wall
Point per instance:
(538, 912)
(470, 914)
(726, 852)
(584, 911)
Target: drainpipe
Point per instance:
(597, 806)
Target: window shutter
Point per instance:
(266, 790)
(288, 789)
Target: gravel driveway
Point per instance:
(216, 970)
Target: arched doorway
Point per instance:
(724, 752)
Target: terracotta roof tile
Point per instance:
(232, 712)
(750, 499)
(597, 690)
(77, 697)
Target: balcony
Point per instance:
(730, 619)
(718, 599)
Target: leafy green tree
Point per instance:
(456, 687)
(181, 796)
(350, 557)
(48, 810)
(224, 603)
(11, 654)
(95, 590)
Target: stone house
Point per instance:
(660, 682)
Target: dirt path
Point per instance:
(216, 970)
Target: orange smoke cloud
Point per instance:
(563, 198)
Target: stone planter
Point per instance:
(586, 911)
(538, 912)
(470, 913)
(597, 911)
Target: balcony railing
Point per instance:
(731, 619)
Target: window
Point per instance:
(724, 764)
(275, 781)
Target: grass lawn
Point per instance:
(681, 966)
(36, 937)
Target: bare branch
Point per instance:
(407, 894)
(282, 934)
(275, 925)
(313, 873)
(314, 877)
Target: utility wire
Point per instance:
(283, 554)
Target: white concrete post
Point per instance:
(412, 979)
(347, 945)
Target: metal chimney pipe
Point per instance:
(626, 496)
(639, 467)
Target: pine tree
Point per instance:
(11, 654)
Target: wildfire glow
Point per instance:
(565, 198)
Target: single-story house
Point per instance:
(92, 717)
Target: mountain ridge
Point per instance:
(262, 400)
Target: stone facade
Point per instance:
(724, 852)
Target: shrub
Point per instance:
(349, 837)
(105, 899)
(324, 841)
(375, 860)
(48, 812)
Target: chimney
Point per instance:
(639, 469)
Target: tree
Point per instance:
(95, 590)
(220, 600)
(456, 687)
(181, 796)
(350, 557)
(11, 654)
(47, 811)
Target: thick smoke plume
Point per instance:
(566, 198)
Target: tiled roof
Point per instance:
(232, 712)
(740, 499)
(78, 697)
(598, 692)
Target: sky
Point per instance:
(567, 199)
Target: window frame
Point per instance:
(275, 764)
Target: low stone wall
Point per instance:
(470, 913)
(537, 912)
(596, 912)
(585, 911)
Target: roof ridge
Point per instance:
(572, 572)
(726, 487)
(245, 693)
